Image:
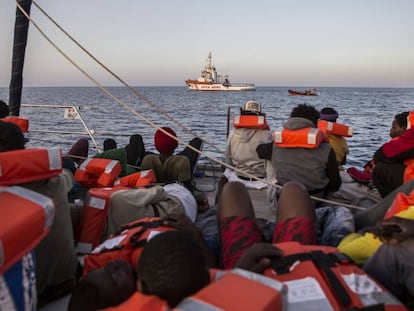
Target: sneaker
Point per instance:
(359, 176)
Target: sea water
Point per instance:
(369, 111)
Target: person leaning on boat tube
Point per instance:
(242, 143)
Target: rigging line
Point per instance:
(116, 99)
(130, 109)
(136, 93)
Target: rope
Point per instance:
(134, 112)
(136, 93)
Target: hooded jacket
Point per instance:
(241, 150)
(316, 168)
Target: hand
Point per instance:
(257, 257)
(395, 230)
(180, 222)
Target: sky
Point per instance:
(325, 43)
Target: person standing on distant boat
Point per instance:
(250, 131)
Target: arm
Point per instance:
(258, 257)
(333, 173)
(394, 230)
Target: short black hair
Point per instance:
(401, 118)
(109, 144)
(4, 109)
(172, 267)
(11, 137)
(306, 111)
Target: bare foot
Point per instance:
(202, 202)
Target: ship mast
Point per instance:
(21, 27)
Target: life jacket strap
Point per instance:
(324, 262)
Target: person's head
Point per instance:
(251, 107)
(4, 109)
(172, 267)
(329, 114)
(104, 287)
(306, 111)
(109, 144)
(399, 124)
(11, 137)
(164, 143)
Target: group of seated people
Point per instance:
(177, 264)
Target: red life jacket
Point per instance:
(308, 137)
(410, 119)
(97, 172)
(20, 122)
(250, 121)
(141, 302)
(92, 223)
(138, 179)
(320, 278)
(335, 128)
(27, 217)
(238, 290)
(27, 165)
(126, 244)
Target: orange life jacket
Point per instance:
(238, 290)
(126, 244)
(92, 223)
(400, 203)
(98, 172)
(335, 128)
(250, 121)
(321, 278)
(141, 302)
(308, 137)
(138, 179)
(27, 165)
(27, 217)
(20, 122)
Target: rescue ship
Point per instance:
(209, 80)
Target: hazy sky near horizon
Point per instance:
(357, 43)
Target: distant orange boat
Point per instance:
(310, 92)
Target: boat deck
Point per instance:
(206, 179)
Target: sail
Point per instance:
(21, 28)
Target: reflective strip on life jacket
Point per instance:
(27, 165)
(335, 128)
(250, 121)
(92, 223)
(98, 172)
(138, 179)
(126, 244)
(325, 279)
(23, 123)
(26, 218)
(308, 137)
(238, 290)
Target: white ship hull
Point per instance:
(196, 86)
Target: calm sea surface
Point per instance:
(369, 110)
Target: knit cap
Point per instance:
(163, 142)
